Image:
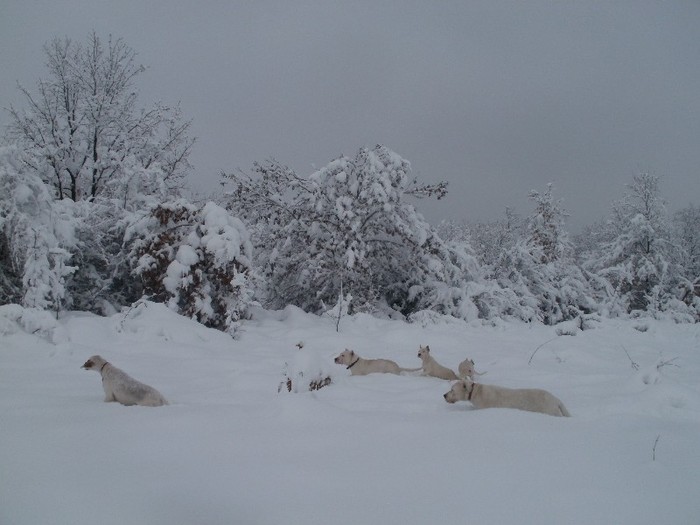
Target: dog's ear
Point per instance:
(427, 348)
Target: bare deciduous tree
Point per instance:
(82, 131)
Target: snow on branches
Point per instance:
(35, 232)
(347, 227)
(82, 131)
(196, 260)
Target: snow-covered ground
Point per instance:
(231, 449)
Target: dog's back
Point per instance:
(530, 399)
(376, 366)
(129, 391)
(432, 368)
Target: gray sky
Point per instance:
(497, 97)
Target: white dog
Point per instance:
(466, 369)
(121, 387)
(490, 396)
(360, 367)
(432, 368)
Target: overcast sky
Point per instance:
(498, 98)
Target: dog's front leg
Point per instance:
(109, 395)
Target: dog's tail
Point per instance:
(409, 370)
(563, 410)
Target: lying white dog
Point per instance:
(121, 387)
(490, 396)
(360, 367)
(432, 368)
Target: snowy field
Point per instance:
(382, 449)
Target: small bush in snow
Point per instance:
(32, 321)
(305, 372)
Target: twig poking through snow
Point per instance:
(536, 349)
(634, 365)
(668, 362)
(653, 450)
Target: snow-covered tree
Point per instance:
(490, 239)
(102, 281)
(686, 224)
(348, 226)
(540, 268)
(488, 243)
(83, 133)
(546, 230)
(36, 233)
(638, 261)
(10, 279)
(196, 260)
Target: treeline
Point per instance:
(93, 217)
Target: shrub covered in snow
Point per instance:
(35, 321)
(196, 260)
(305, 372)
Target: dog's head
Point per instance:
(346, 357)
(423, 352)
(466, 367)
(459, 391)
(94, 363)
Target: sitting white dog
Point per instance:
(360, 367)
(432, 368)
(491, 396)
(121, 387)
(466, 369)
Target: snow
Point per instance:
(186, 256)
(224, 236)
(363, 450)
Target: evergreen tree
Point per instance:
(540, 267)
(687, 234)
(638, 260)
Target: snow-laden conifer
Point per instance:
(640, 259)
